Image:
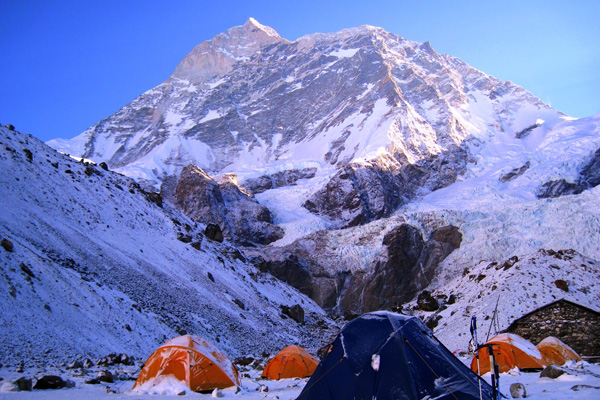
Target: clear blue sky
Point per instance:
(68, 64)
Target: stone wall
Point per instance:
(575, 325)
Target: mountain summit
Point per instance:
(216, 57)
(249, 102)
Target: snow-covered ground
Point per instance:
(581, 383)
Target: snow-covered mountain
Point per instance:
(386, 169)
(379, 118)
(90, 266)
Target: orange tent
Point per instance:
(556, 352)
(291, 362)
(191, 360)
(510, 351)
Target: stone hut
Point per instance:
(574, 324)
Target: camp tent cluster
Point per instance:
(198, 365)
(513, 351)
(379, 355)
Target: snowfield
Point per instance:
(582, 382)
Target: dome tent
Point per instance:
(191, 361)
(291, 362)
(510, 351)
(556, 352)
(391, 356)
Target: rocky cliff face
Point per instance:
(400, 264)
(225, 204)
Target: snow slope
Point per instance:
(96, 268)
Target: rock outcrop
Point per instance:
(241, 218)
(365, 191)
(405, 265)
(589, 177)
(278, 179)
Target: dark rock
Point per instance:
(243, 361)
(525, 132)
(105, 376)
(350, 315)
(393, 279)
(89, 170)
(125, 359)
(510, 263)
(23, 384)
(426, 302)
(558, 188)
(279, 179)
(93, 381)
(7, 245)
(103, 165)
(551, 372)
(87, 363)
(210, 276)
(515, 173)
(295, 312)
(432, 322)
(154, 197)
(452, 299)
(50, 382)
(582, 387)
(75, 364)
(562, 284)
(28, 155)
(26, 269)
(589, 176)
(366, 191)
(10, 127)
(239, 304)
(197, 244)
(213, 232)
(182, 237)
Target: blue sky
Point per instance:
(68, 64)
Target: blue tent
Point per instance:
(389, 356)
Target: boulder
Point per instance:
(213, 232)
(23, 384)
(75, 364)
(552, 372)
(426, 302)
(7, 245)
(295, 312)
(517, 391)
(562, 285)
(243, 361)
(105, 376)
(50, 382)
